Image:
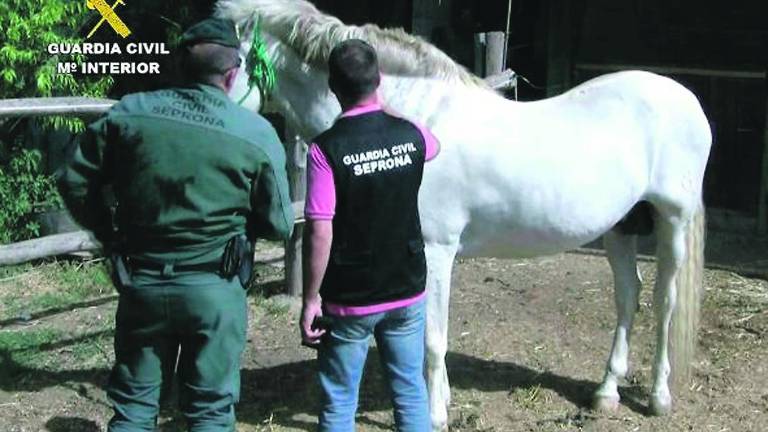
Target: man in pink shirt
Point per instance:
(364, 254)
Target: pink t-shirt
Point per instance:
(321, 205)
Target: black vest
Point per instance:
(377, 253)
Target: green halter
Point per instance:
(259, 67)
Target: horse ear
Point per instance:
(245, 29)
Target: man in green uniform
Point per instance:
(190, 170)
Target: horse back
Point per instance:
(557, 173)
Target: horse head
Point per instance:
(301, 93)
(242, 90)
(299, 39)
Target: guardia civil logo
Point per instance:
(70, 58)
(109, 16)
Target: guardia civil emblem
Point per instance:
(109, 16)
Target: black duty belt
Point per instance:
(138, 263)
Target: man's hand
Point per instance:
(318, 235)
(311, 309)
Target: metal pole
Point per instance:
(506, 35)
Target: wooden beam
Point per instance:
(673, 70)
(297, 177)
(58, 244)
(68, 243)
(64, 106)
(494, 53)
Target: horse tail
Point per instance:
(689, 282)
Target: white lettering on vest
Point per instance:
(382, 165)
(378, 160)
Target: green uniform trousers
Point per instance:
(203, 314)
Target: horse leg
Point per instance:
(622, 252)
(670, 253)
(439, 264)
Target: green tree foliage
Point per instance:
(27, 69)
(27, 27)
(23, 190)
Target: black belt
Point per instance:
(138, 263)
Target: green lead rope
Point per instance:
(259, 67)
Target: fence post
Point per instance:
(480, 43)
(494, 53)
(297, 174)
(489, 53)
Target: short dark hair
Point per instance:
(353, 69)
(208, 62)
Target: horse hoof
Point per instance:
(439, 420)
(440, 427)
(605, 403)
(658, 408)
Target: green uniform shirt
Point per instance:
(189, 169)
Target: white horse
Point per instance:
(525, 179)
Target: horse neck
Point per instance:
(309, 103)
(425, 99)
(303, 95)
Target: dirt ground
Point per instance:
(528, 344)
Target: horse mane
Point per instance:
(313, 34)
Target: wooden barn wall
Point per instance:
(715, 34)
(717, 49)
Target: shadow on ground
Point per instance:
(287, 394)
(15, 377)
(71, 424)
(57, 310)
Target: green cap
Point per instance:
(212, 30)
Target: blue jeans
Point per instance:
(399, 337)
